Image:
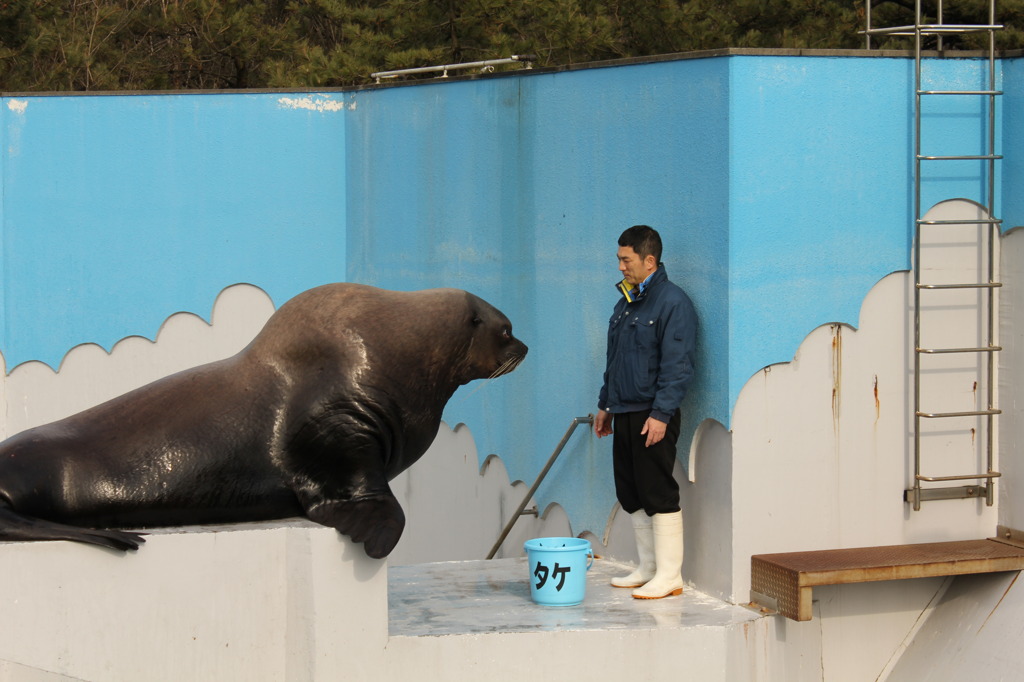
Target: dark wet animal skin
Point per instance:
(341, 391)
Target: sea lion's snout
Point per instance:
(513, 357)
(517, 348)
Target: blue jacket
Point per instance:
(651, 345)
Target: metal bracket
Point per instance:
(1009, 536)
(764, 604)
(954, 493)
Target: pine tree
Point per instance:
(170, 44)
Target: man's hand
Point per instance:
(654, 429)
(602, 424)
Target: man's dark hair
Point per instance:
(644, 240)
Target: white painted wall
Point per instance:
(805, 470)
(1011, 381)
(455, 511)
(822, 446)
(818, 458)
(33, 393)
(973, 631)
(707, 504)
(821, 451)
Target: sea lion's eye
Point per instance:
(477, 321)
(506, 333)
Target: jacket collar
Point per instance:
(633, 292)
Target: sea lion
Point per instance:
(341, 391)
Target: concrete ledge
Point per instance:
(296, 601)
(254, 602)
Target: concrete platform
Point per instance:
(477, 597)
(299, 602)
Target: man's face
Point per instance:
(634, 269)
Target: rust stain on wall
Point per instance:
(878, 405)
(837, 374)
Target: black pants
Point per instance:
(643, 475)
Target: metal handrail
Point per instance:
(932, 29)
(589, 419)
(487, 65)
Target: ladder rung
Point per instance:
(968, 157)
(986, 285)
(976, 221)
(983, 349)
(960, 92)
(941, 415)
(968, 477)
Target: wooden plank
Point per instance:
(788, 577)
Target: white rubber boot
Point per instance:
(643, 530)
(668, 554)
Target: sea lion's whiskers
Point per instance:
(507, 366)
(478, 387)
(504, 368)
(501, 369)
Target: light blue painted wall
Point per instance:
(120, 211)
(819, 194)
(821, 179)
(517, 189)
(780, 184)
(1012, 167)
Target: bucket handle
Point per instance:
(590, 558)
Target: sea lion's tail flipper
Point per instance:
(18, 528)
(376, 521)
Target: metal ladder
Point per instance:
(925, 293)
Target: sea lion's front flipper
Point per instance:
(18, 528)
(376, 520)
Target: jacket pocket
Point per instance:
(643, 364)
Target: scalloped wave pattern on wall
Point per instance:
(33, 393)
(455, 509)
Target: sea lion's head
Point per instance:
(493, 349)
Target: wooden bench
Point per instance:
(783, 582)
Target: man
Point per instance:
(652, 336)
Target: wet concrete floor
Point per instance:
(472, 597)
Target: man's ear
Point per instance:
(651, 262)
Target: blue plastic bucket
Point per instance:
(558, 570)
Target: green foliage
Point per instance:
(174, 44)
